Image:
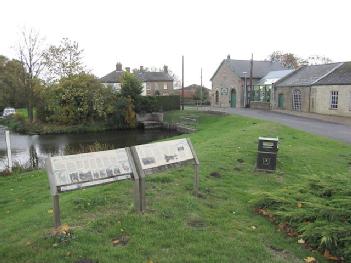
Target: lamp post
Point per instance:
(245, 89)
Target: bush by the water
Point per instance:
(318, 212)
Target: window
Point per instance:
(165, 86)
(334, 97)
(217, 96)
(297, 100)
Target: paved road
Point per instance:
(332, 130)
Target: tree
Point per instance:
(64, 60)
(77, 99)
(288, 60)
(131, 86)
(31, 56)
(318, 60)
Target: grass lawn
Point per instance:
(221, 226)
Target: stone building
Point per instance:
(231, 81)
(324, 89)
(154, 82)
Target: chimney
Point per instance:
(165, 69)
(228, 56)
(119, 66)
(141, 68)
(128, 69)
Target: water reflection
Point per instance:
(31, 150)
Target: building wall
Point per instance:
(164, 88)
(223, 82)
(322, 95)
(287, 93)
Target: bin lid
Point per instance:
(268, 139)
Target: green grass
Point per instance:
(221, 226)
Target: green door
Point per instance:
(233, 98)
(280, 101)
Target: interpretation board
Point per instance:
(161, 155)
(73, 172)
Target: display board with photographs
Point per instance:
(161, 154)
(72, 172)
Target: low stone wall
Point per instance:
(154, 116)
(260, 105)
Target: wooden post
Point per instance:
(56, 206)
(196, 167)
(141, 174)
(54, 194)
(8, 146)
(136, 178)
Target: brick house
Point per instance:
(231, 81)
(154, 82)
(324, 89)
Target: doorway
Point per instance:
(233, 98)
(281, 101)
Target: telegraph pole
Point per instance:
(182, 82)
(201, 88)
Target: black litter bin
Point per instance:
(267, 154)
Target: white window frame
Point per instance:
(165, 87)
(296, 100)
(334, 99)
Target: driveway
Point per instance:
(336, 131)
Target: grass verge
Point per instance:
(221, 226)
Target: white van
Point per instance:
(8, 111)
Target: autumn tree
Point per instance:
(11, 83)
(31, 56)
(288, 60)
(64, 60)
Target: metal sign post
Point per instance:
(8, 146)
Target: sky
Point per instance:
(154, 33)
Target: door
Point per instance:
(280, 101)
(233, 98)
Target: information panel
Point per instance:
(72, 172)
(160, 154)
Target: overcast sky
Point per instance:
(155, 32)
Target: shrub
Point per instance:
(319, 211)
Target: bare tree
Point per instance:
(31, 55)
(63, 60)
(318, 60)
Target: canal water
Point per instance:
(23, 146)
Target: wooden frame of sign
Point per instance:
(155, 157)
(73, 172)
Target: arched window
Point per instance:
(217, 96)
(296, 103)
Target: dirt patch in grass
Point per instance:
(196, 221)
(86, 261)
(121, 240)
(240, 160)
(216, 174)
(283, 254)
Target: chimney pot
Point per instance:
(165, 68)
(228, 56)
(119, 66)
